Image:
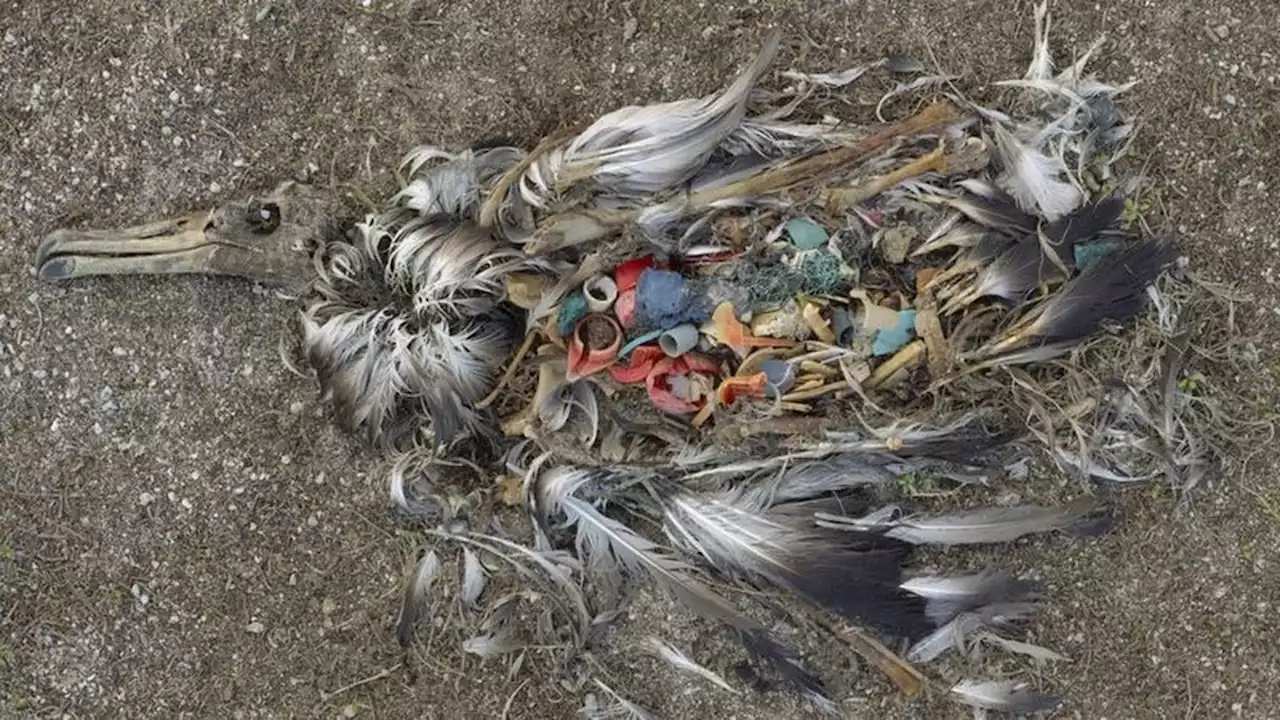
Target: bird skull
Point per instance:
(267, 239)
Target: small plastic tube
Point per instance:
(601, 292)
(678, 340)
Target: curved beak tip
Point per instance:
(55, 269)
(46, 247)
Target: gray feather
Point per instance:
(950, 596)
(957, 631)
(474, 577)
(415, 595)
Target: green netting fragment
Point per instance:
(823, 274)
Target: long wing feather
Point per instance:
(812, 478)
(1111, 289)
(600, 535)
(990, 525)
(857, 579)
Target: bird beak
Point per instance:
(177, 245)
(249, 241)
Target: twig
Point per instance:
(529, 337)
(507, 707)
(380, 675)
(904, 675)
(39, 319)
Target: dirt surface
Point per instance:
(184, 534)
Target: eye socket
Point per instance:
(263, 217)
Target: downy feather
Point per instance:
(448, 265)
(380, 368)
(1034, 179)
(455, 186)
(1041, 67)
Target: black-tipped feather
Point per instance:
(1113, 289)
(1086, 223)
(856, 577)
(1051, 256)
(996, 210)
(603, 539)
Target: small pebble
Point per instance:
(256, 628)
(145, 499)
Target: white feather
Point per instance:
(602, 536)
(988, 525)
(1004, 696)
(957, 632)
(949, 596)
(453, 187)
(641, 150)
(684, 663)
(474, 577)
(833, 79)
(492, 644)
(1033, 179)
(1041, 67)
(370, 361)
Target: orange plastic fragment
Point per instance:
(728, 330)
(739, 386)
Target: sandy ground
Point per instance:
(183, 534)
